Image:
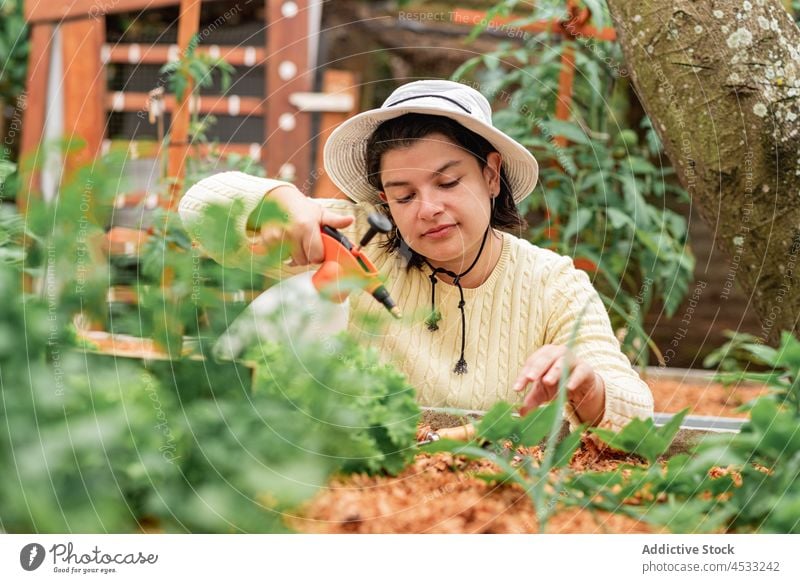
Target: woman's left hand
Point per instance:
(585, 388)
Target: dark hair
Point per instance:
(402, 132)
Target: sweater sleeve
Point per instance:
(569, 292)
(233, 196)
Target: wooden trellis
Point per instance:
(71, 37)
(68, 96)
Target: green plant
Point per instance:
(783, 376)
(94, 443)
(504, 434)
(601, 196)
(642, 437)
(366, 409)
(194, 71)
(746, 482)
(542, 481)
(743, 482)
(732, 354)
(14, 48)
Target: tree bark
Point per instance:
(720, 81)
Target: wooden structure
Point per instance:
(68, 94)
(68, 97)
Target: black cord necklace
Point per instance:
(433, 320)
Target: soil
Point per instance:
(442, 493)
(702, 397)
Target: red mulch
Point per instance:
(440, 493)
(703, 398)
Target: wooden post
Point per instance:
(333, 82)
(84, 87)
(188, 26)
(287, 131)
(33, 115)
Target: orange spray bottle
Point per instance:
(313, 305)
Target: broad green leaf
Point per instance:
(763, 353)
(634, 203)
(6, 170)
(498, 423)
(569, 130)
(501, 424)
(537, 424)
(789, 352)
(642, 437)
(577, 223)
(639, 165)
(617, 218)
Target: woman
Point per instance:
(499, 311)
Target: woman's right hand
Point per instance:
(306, 218)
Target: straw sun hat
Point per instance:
(345, 150)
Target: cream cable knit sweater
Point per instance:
(533, 297)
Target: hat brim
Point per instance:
(344, 156)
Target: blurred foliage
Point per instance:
(96, 443)
(735, 482)
(604, 196)
(14, 48)
(783, 364)
(732, 355)
(367, 409)
(194, 70)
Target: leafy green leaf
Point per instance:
(618, 218)
(566, 129)
(789, 353)
(577, 222)
(642, 437)
(500, 423)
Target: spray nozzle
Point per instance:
(378, 223)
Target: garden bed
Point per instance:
(441, 493)
(444, 493)
(674, 390)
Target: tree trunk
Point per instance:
(720, 81)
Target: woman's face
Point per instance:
(440, 199)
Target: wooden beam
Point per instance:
(84, 87)
(188, 25)
(566, 78)
(33, 116)
(287, 131)
(143, 54)
(474, 17)
(229, 105)
(336, 83)
(57, 10)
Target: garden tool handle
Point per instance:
(461, 433)
(343, 260)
